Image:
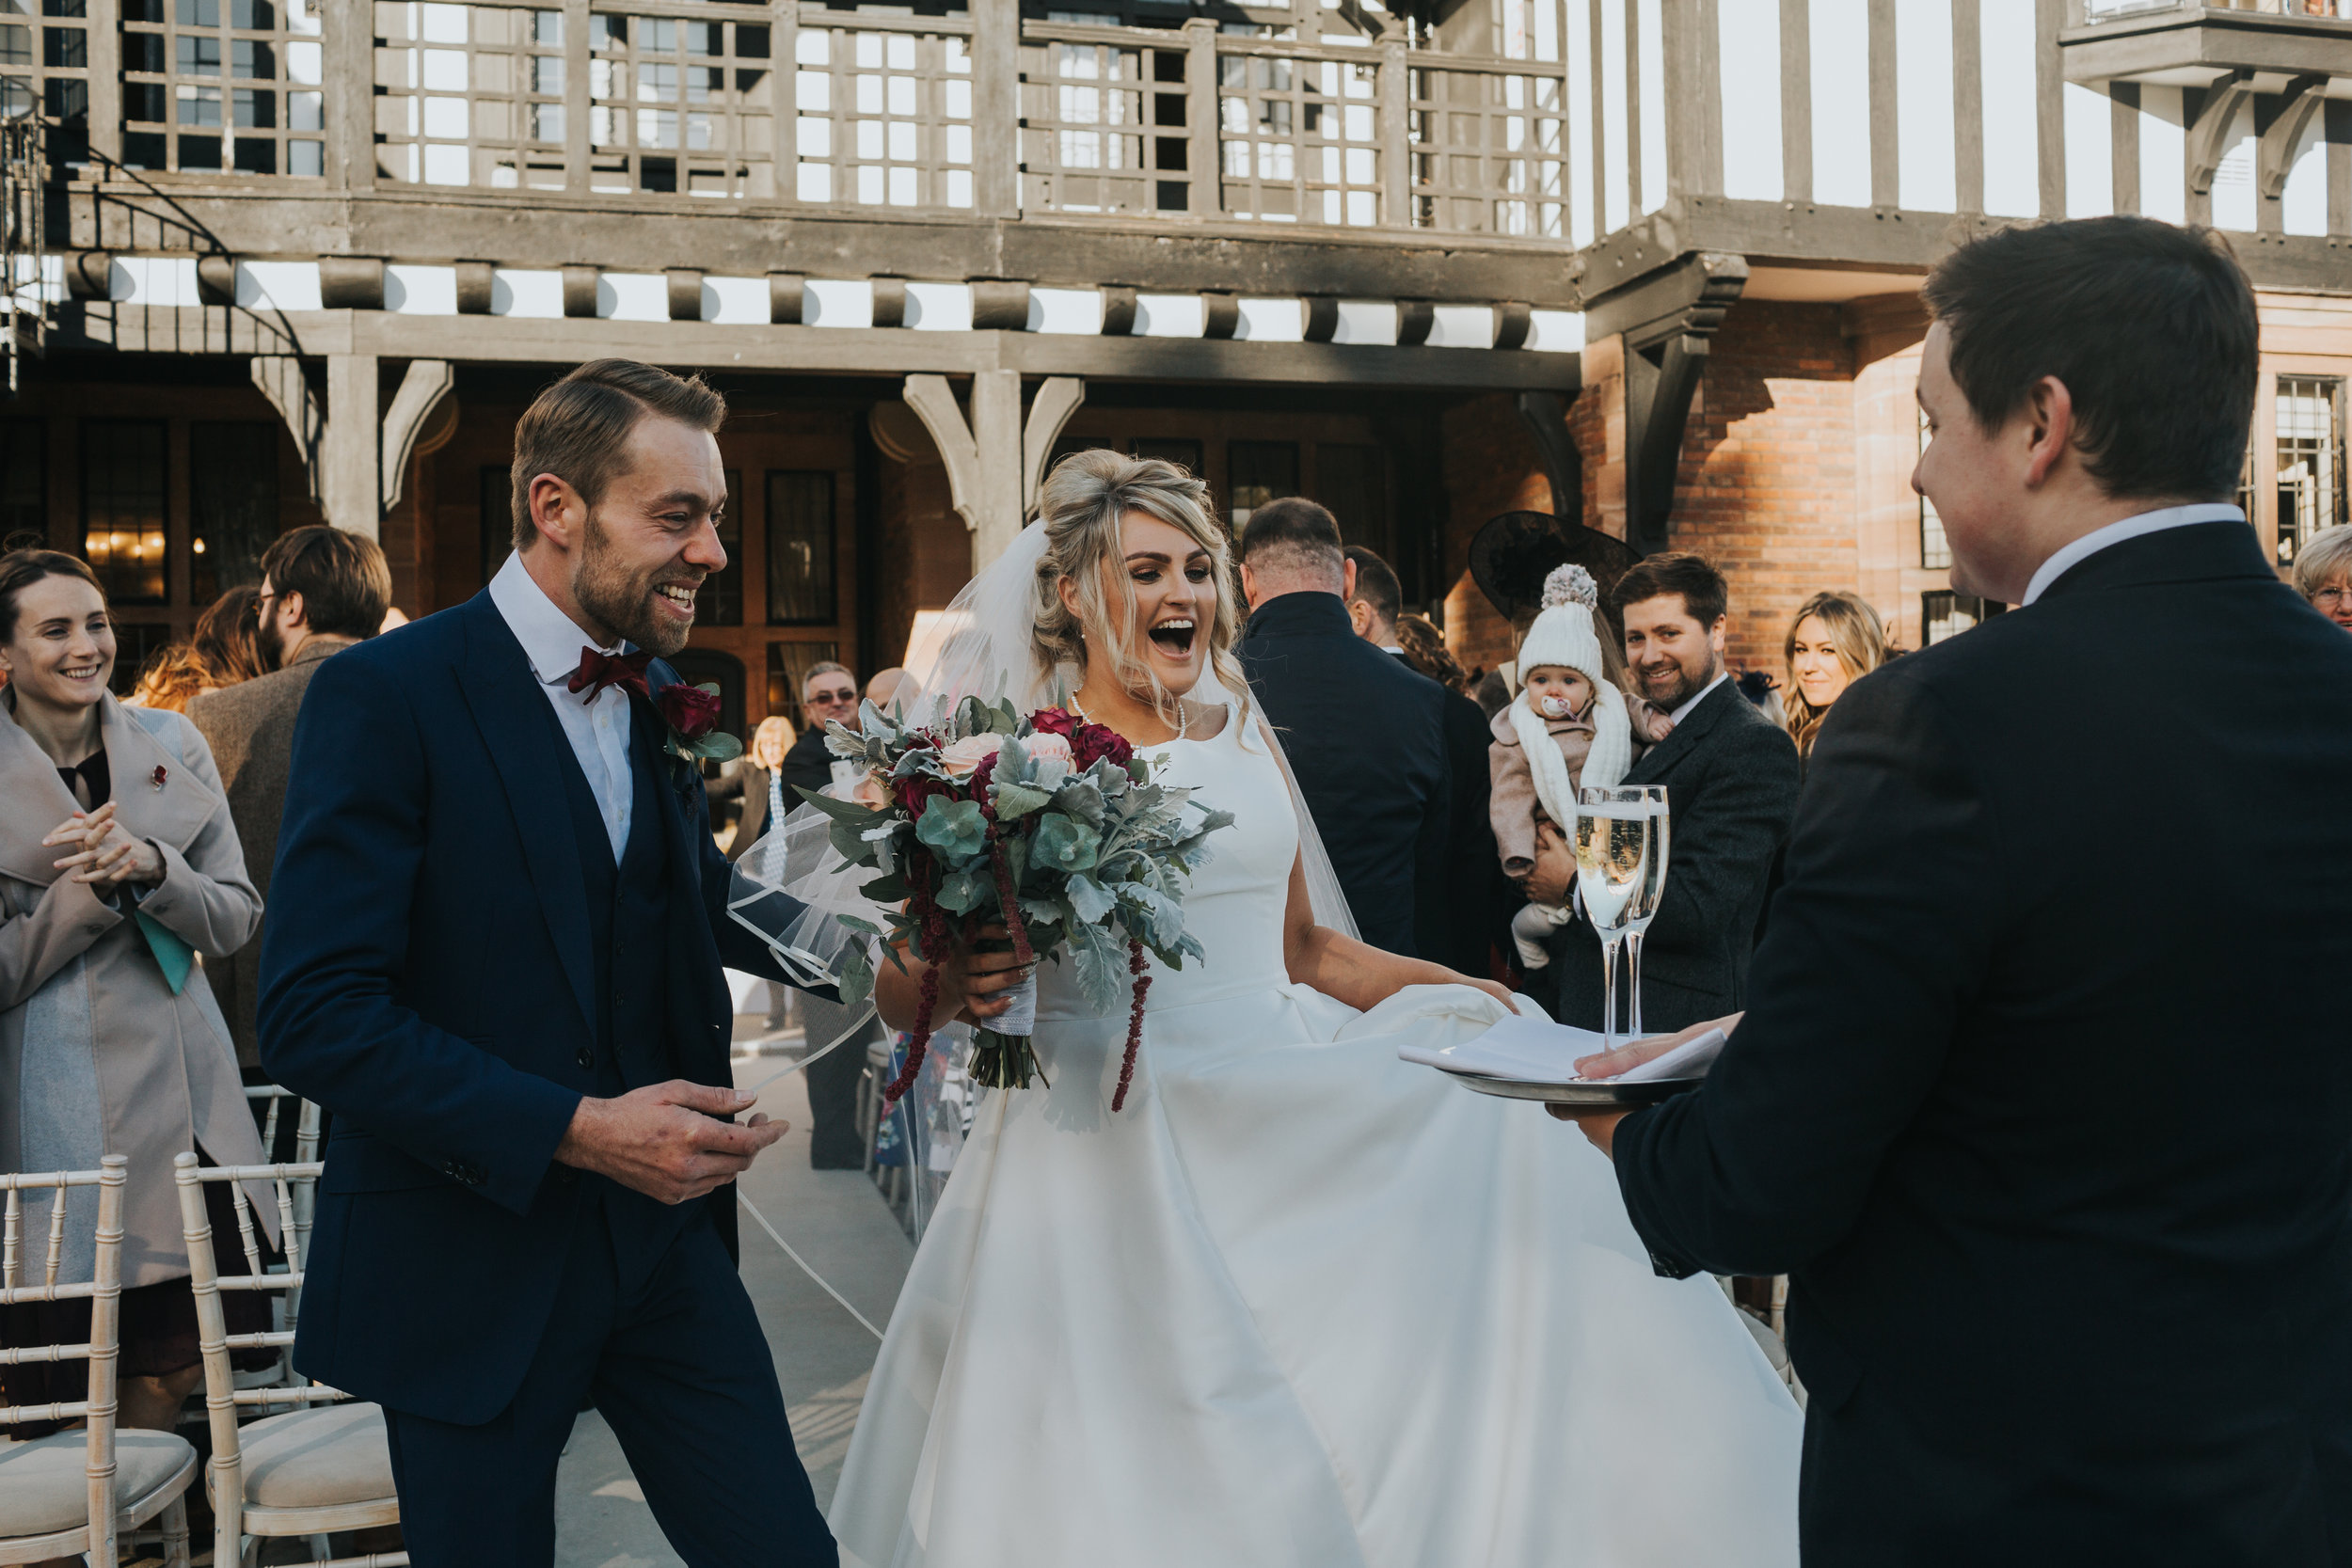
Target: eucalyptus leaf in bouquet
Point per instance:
(1045, 824)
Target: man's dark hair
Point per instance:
(2149, 326)
(579, 429)
(1377, 584)
(1706, 597)
(344, 583)
(1292, 534)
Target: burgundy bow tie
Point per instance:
(598, 669)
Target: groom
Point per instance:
(2044, 1094)
(494, 956)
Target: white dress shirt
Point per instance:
(2129, 528)
(597, 727)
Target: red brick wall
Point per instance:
(1491, 467)
(1767, 486)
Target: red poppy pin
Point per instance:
(157, 777)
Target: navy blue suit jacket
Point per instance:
(1366, 736)
(427, 976)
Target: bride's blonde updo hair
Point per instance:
(1080, 508)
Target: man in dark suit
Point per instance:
(495, 957)
(1456, 922)
(1365, 735)
(2052, 1137)
(322, 589)
(1731, 777)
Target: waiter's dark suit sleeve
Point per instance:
(1718, 857)
(1879, 939)
(330, 1022)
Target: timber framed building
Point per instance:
(1650, 264)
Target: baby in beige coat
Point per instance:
(1568, 729)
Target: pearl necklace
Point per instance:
(1184, 720)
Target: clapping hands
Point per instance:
(104, 853)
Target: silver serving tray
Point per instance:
(1613, 1096)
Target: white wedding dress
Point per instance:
(1300, 1305)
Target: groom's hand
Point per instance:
(666, 1140)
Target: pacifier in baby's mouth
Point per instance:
(1555, 707)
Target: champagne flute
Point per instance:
(1611, 842)
(1643, 907)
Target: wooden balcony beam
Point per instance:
(103, 327)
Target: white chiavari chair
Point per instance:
(286, 1117)
(324, 1466)
(86, 1491)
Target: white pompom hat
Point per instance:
(1567, 636)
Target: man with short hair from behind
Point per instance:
(1731, 777)
(322, 589)
(1455, 923)
(2042, 1097)
(1364, 733)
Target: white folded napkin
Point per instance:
(1534, 1052)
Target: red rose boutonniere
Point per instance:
(691, 715)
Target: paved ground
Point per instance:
(838, 1222)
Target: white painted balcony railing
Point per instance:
(800, 105)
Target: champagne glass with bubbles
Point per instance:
(1613, 840)
(1643, 907)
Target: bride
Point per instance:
(1298, 1304)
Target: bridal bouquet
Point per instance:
(1048, 825)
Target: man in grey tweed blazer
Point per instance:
(1731, 777)
(322, 590)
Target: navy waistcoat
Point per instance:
(628, 912)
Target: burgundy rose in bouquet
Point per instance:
(1047, 825)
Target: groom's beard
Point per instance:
(622, 600)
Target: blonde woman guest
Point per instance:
(1834, 639)
(119, 865)
(757, 779)
(2322, 574)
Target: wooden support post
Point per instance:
(105, 79)
(1206, 195)
(996, 107)
(576, 94)
(997, 433)
(1396, 132)
(349, 70)
(351, 452)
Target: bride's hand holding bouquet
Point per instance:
(999, 840)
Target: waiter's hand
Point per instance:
(1599, 1122)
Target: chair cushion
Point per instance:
(326, 1455)
(44, 1485)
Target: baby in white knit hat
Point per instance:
(1568, 728)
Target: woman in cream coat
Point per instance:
(117, 863)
